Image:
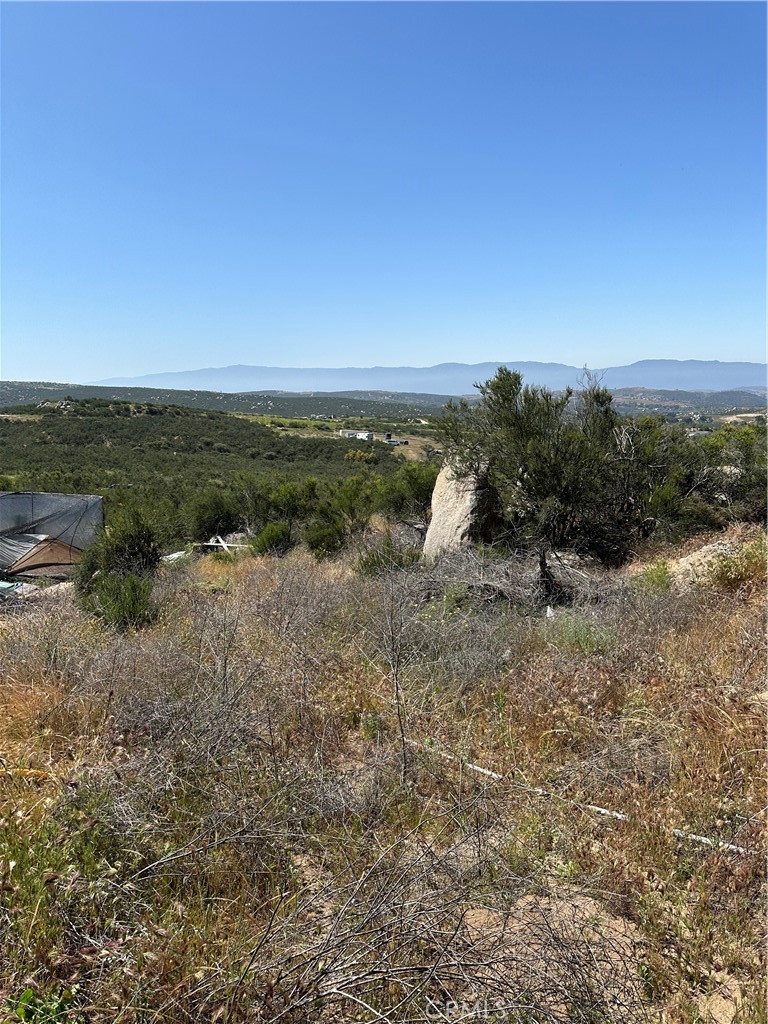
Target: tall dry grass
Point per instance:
(245, 812)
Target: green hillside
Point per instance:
(314, 405)
(164, 457)
(632, 400)
(375, 406)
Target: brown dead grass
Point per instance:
(228, 781)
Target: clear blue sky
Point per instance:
(189, 185)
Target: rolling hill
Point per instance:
(274, 403)
(403, 407)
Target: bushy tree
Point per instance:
(567, 469)
(127, 546)
(406, 495)
(736, 456)
(292, 502)
(326, 534)
(213, 511)
(115, 574)
(274, 539)
(353, 501)
(274, 499)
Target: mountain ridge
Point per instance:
(452, 378)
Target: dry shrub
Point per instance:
(236, 839)
(404, 935)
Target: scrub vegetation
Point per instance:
(260, 806)
(407, 407)
(317, 779)
(192, 474)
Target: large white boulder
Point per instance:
(457, 514)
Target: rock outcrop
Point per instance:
(461, 513)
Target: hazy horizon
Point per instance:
(451, 378)
(423, 366)
(677, 365)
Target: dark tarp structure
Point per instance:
(46, 531)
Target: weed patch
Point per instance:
(745, 567)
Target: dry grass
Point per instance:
(239, 813)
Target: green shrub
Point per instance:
(223, 557)
(656, 578)
(356, 455)
(127, 546)
(274, 539)
(746, 567)
(123, 601)
(407, 494)
(49, 1009)
(386, 556)
(352, 502)
(663, 501)
(372, 726)
(325, 537)
(115, 575)
(577, 635)
(211, 512)
(696, 514)
(454, 597)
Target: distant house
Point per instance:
(357, 435)
(42, 532)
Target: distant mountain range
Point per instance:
(453, 378)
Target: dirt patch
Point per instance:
(567, 952)
(742, 417)
(722, 1005)
(699, 555)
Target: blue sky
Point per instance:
(330, 184)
